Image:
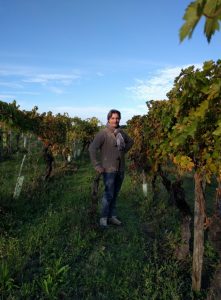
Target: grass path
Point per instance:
(111, 267)
(51, 250)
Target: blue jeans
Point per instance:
(112, 185)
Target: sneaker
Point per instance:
(103, 222)
(115, 221)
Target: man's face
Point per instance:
(114, 120)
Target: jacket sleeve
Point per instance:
(95, 147)
(128, 142)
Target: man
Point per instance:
(112, 143)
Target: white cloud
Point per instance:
(65, 79)
(83, 112)
(156, 86)
(15, 70)
(100, 74)
(27, 75)
(99, 112)
(21, 93)
(12, 85)
(27, 93)
(7, 98)
(128, 113)
(21, 77)
(55, 90)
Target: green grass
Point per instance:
(51, 249)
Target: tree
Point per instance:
(83, 131)
(210, 9)
(184, 133)
(195, 141)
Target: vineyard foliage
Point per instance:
(60, 130)
(184, 130)
(83, 130)
(183, 135)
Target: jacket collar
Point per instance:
(111, 128)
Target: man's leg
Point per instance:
(117, 186)
(109, 186)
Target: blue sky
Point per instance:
(85, 57)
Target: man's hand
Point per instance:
(99, 169)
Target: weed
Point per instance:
(53, 279)
(7, 284)
(51, 251)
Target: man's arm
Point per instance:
(94, 147)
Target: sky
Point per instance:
(85, 57)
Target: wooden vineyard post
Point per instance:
(198, 246)
(144, 185)
(25, 141)
(74, 149)
(20, 180)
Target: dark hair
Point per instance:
(111, 112)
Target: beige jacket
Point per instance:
(104, 152)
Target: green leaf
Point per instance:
(210, 7)
(214, 90)
(208, 65)
(218, 130)
(215, 154)
(201, 110)
(211, 25)
(192, 16)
